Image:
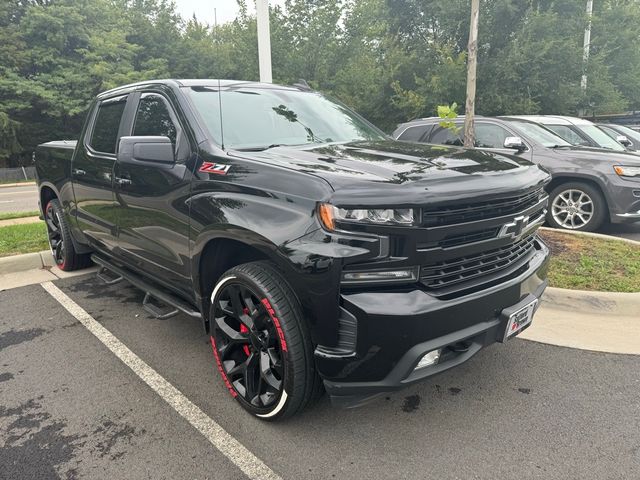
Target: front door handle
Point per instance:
(123, 182)
(79, 172)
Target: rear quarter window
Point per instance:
(106, 125)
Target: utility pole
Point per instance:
(472, 62)
(585, 54)
(264, 40)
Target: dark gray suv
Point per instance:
(589, 185)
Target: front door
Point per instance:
(152, 200)
(92, 173)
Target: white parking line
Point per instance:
(231, 448)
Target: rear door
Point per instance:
(92, 173)
(153, 199)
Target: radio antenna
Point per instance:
(220, 108)
(215, 23)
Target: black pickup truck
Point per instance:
(318, 252)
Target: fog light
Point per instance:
(429, 359)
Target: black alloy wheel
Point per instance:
(261, 343)
(249, 346)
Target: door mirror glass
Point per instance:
(514, 143)
(146, 150)
(623, 140)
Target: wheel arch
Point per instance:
(218, 253)
(594, 182)
(47, 193)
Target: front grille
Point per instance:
(451, 215)
(477, 236)
(457, 270)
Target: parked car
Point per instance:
(577, 131)
(316, 249)
(628, 137)
(589, 186)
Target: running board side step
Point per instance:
(107, 277)
(151, 292)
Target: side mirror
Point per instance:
(514, 143)
(623, 140)
(141, 150)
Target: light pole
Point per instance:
(472, 61)
(586, 47)
(264, 40)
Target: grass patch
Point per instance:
(26, 238)
(10, 215)
(587, 263)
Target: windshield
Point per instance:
(261, 118)
(539, 134)
(602, 139)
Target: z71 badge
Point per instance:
(217, 168)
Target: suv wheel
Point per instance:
(576, 206)
(260, 342)
(60, 241)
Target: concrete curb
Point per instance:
(19, 184)
(593, 303)
(31, 268)
(592, 235)
(25, 261)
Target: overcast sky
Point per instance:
(225, 9)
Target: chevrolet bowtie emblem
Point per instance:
(514, 229)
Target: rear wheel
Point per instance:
(576, 206)
(260, 342)
(60, 243)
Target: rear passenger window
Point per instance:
(413, 134)
(107, 123)
(153, 118)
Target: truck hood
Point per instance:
(401, 173)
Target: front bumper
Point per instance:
(395, 329)
(624, 199)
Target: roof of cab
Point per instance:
(192, 82)
(553, 119)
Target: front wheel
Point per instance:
(260, 342)
(576, 206)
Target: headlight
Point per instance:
(329, 214)
(627, 171)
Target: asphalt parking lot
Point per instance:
(69, 408)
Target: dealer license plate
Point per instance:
(519, 320)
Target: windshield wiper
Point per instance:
(561, 146)
(261, 149)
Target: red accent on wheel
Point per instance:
(244, 329)
(221, 370)
(276, 322)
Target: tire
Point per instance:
(60, 242)
(576, 206)
(261, 343)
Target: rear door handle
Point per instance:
(79, 172)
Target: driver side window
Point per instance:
(489, 135)
(153, 118)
